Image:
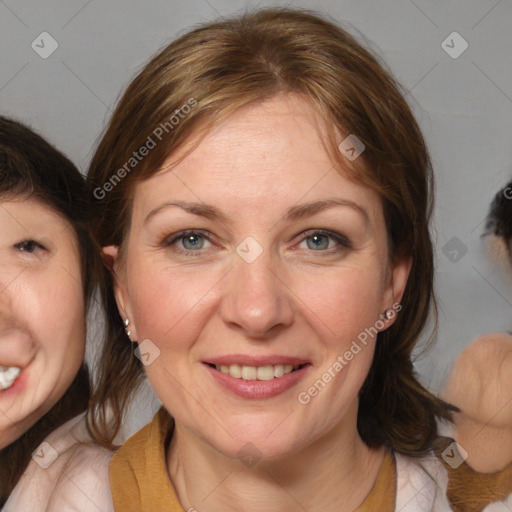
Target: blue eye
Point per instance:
(29, 246)
(191, 241)
(320, 241)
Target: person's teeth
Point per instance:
(235, 370)
(278, 370)
(266, 372)
(8, 375)
(249, 372)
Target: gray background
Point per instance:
(464, 106)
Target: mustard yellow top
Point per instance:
(139, 481)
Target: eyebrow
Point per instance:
(293, 213)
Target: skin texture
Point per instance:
(42, 323)
(295, 299)
(481, 386)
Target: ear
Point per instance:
(111, 258)
(394, 289)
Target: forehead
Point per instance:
(263, 156)
(31, 214)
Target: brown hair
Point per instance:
(31, 168)
(221, 67)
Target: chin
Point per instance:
(254, 446)
(250, 451)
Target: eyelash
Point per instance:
(21, 246)
(344, 242)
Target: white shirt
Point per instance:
(78, 480)
(67, 473)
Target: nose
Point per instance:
(256, 300)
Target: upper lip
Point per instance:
(10, 365)
(9, 361)
(16, 347)
(248, 360)
(21, 362)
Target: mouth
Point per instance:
(257, 378)
(8, 376)
(257, 373)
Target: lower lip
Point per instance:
(258, 388)
(19, 385)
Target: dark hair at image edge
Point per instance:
(221, 67)
(499, 219)
(31, 168)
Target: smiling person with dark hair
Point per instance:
(48, 270)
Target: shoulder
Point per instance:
(480, 386)
(443, 481)
(481, 379)
(468, 489)
(421, 484)
(147, 441)
(141, 451)
(67, 473)
(138, 471)
(84, 483)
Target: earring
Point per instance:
(387, 315)
(126, 324)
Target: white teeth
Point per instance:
(266, 372)
(235, 370)
(8, 376)
(249, 372)
(278, 370)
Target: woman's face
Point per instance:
(42, 326)
(250, 257)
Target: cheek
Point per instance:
(167, 304)
(50, 310)
(342, 302)
(58, 318)
(342, 311)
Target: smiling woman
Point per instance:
(47, 274)
(283, 220)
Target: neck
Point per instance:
(334, 473)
